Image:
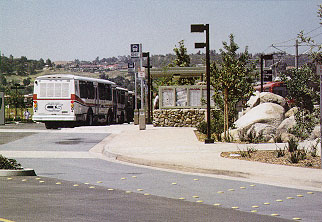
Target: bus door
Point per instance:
(96, 100)
(115, 103)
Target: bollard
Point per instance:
(142, 124)
(136, 117)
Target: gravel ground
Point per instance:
(270, 156)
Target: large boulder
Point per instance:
(291, 112)
(263, 130)
(268, 97)
(269, 113)
(286, 125)
(315, 133)
(253, 100)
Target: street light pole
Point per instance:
(202, 28)
(147, 54)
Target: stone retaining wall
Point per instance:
(178, 117)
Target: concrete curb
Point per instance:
(172, 166)
(23, 172)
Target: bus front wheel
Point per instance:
(89, 118)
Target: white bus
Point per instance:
(63, 99)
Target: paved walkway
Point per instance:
(179, 149)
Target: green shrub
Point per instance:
(314, 148)
(292, 145)
(294, 157)
(248, 152)
(298, 155)
(305, 123)
(278, 138)
(279, 152)
(9, 164)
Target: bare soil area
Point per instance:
(268, 156)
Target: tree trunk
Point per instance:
(226, 122)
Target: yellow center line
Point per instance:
(5, 220)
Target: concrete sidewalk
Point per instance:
(179, 149)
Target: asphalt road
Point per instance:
(112, 191)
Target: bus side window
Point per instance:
(91, 90)
(77, 88)
(83, 89)
(108, 91)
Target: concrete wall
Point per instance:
(178, 117)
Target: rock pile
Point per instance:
(267, 118)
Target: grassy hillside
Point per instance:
(19, 79)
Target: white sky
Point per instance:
(85, 29)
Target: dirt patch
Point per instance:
(270, 156)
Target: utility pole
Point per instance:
(297, 54)
(262, 72)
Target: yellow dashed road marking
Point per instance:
(75, 185)
(253, 211)
(299, 195)
(199, 201)
(99, 182)
(266, 203)
(310, 193)
(174, 183)
(58, 183)
(231, 190)
(255, 206)
(110, 189)
(274, 215)
(182, 198)
(279, 200)
(235, 207)
(9, 178)
(297, 218)
(134, 176)
(91, 187)
(220, 192)
(195, 196)
(139, 189)
(289, 198)
(217, 204)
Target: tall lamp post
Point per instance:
(148, 66)
(202, 28)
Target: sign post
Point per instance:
(2, 109)
(135, 54)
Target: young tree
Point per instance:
(232, 80)
(182, 58)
